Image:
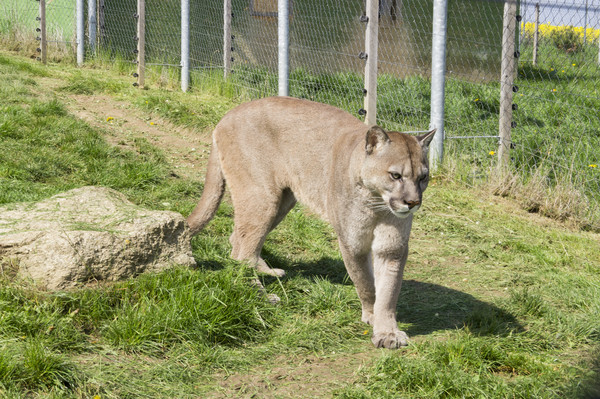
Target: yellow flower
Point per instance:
(110, 118)
(574, 64)
(492, 152)
(553, 89)
(97, 397)
(152, 123)
(365, 332)
(476, 99)
(593, 165)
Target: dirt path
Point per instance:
(186, 149)
(305, 377)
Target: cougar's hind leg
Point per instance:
(286, 203)
(255, 215)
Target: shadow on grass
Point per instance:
(590, 387)
(422, 307)
(430, 307)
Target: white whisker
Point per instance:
(378, 205)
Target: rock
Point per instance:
(90, 234)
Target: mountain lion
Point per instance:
(365, 181)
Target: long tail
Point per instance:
(214, 187)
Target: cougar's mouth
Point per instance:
(401, 209)
(396, 207)
(404, 211)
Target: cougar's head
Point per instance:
(396, 170)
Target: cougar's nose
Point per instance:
(412, 204)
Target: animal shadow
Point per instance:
(422, 307)
(430, 307)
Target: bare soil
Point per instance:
(185, 149)
(305, 377)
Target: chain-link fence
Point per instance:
(557, 138)
(20, 27)
(473, 53)
(555, 129)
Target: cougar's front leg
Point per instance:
(390, 250)
(360, 270)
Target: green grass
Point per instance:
(45, 150)
(464, 366)
(498, 302)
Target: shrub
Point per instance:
(567, 39)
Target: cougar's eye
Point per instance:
(395, 176)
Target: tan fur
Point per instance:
(274, 151)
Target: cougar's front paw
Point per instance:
(262, 267)
(390, 340)
(272, 271)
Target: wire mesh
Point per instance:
(163, 32)
(206, 34)
(474, 51)
(254, 27)
(20, 24)
(557, 139)
(117, 28)
(326, 39)
(556, 131)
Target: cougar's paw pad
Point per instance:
(390, 340)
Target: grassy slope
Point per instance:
(499, 302)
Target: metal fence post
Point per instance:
(283, 34)
(227, 41)
(141, 43)
(185, 45)
(438, 81)
(536, 33)
(508, 69)
(43, 36)
(92, 25)
(371, 46)
(80, 32)
(585, 23)
(523, 8)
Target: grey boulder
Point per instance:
(90, 234)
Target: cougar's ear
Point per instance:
(376, 137)
(426, 138)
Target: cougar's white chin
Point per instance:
(404, 211)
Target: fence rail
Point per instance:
(533, 107)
